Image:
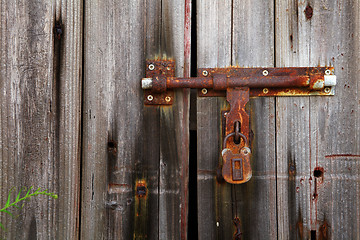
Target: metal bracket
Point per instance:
(275, 82)
(238, 85)
(158, 69)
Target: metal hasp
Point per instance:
(238, 85)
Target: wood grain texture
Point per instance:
(238, 33)
(318, 137)
(40, 97)
(213, 50)
(174, 132)
(253, 46)
(149, 144)
(114, 61)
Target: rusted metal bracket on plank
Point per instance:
(238, 85)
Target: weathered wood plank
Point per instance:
(213, 50)
(112, 125)
(241, 34)
(318, 138)
(253, 46)
(69, 123)
(143, 151)
(40, 97)
(174, 129)
(151, 126)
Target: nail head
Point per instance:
(204, 91)
(151, 67)
(150, 98)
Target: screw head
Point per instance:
(151, 67)
(205, 73)
(245, 150)
(327, 72)
(327, 90)
(204, 91)
(265, 72)
(150, 98)
(265, 90)
(167, 99)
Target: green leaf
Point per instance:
(18, 206)
(27, 197)
(6, 211)
(9, 198)
(28, 192)
(2, 226)
(18, 196)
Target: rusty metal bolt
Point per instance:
(265, 72)
(204, 91)
(265, 90)
(151, 67)
(150, 98)
(205, 73)
(167, 99)
(327, 72)
(327, 90)
(141, 191)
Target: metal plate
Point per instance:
(156, 68)
(268, 92)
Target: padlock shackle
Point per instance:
(233, 134)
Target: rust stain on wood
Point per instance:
(141, 210)
(141, 189)
(308, 12)
(324, 232)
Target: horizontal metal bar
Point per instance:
(231, 82)
(273, 92)
(213, 82)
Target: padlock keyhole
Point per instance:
(237, 127)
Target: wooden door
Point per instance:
(305, 161)
(40, 116)
(135, 158)
(72, 120)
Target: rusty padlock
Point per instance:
(236, 167)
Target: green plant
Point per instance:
(27, 197)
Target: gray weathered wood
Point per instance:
(114, 61)
(174, 131)
(213, 50)
(148, 144)
(253, 46)
(240, 34)
(319, 132)
(40, 97)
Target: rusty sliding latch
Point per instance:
(238, 85)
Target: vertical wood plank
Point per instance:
(174, 129)
(69, 95)
(253, 46)
(243, 35)
(40, 96)
(317, 138)
(213, 50)
(112, 142)
(127, 143)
